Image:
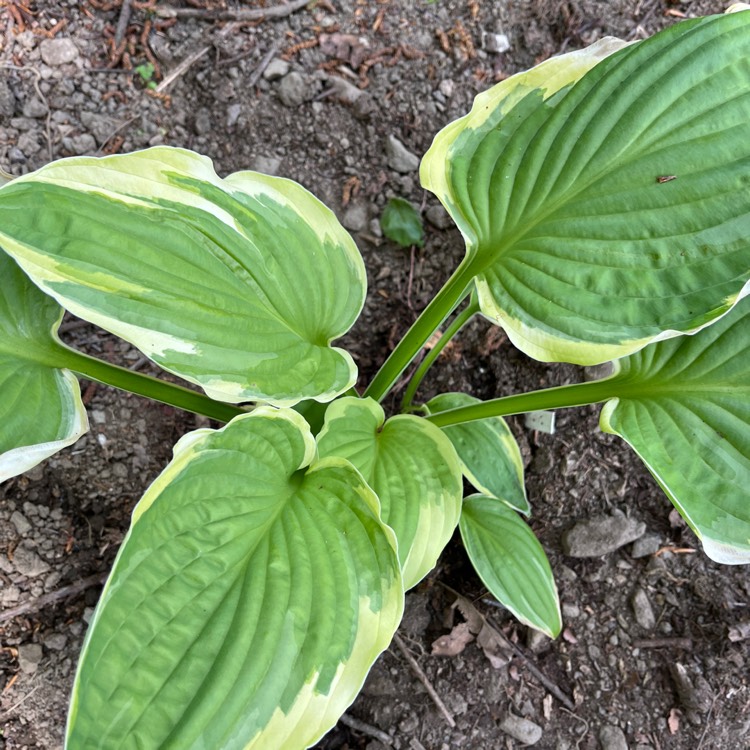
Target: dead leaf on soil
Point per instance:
(673, 722)
(453, 643)
(348, 48)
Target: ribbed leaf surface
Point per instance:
(607, 209)
(511, 562)
(684, 407)
(238, 285)
(249, 599)
(489, 454)
(41, 410)
(412, 467)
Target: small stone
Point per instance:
(495, 43)
(293, 89)
(276, 69)
(409, 724)
(7, 99)
(601, 535)
(20, 522)
(345, 92)
(647, 545)
(16, 156)
(266, 164)
(29, 656)
(9, 595)
(203, 121)
(29, 143)
(536, 641)
(55, 641)
(438, 217)
(570, 611)
(28, 563)
(34, 108)
(642, 609)
(355, 218)
(400, 159)
(58, 51)
(100, 126)
(612, 738)
(446, 87)
(85, 143)
(233, 114)
(523, 730)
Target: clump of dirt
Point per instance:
(344, 96)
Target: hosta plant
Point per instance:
(604, 198)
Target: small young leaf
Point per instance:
(511, 562)
(252, 594)
(412, 467)
(489, 454)
(402, 223)
(41, 410)
(684, 406)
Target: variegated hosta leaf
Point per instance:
(511, 562)
(489, 454)
(684, 407)
(412, 467)
(604, 197)
(253, 592)
(238, 285)
(41, 410)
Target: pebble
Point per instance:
(20, 522)
(34, 108)
(28, 143)
(28, 563)
(344, 91)
(400, 159)
(7, 99)
(438, 217)
(355, 218)
(56, 641)
(266, 164)
(29, 656)
(85, 143)
(101, 126)
(293, 89)
(601, 535)
(58, 51)
(276, 69)
(612, 738)
(642, 609)
(495, 43)
(647, 545)
(233, 114)
(523, 730)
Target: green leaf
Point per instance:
(252, 594)
(604, 197)
(489, 454)
(412, 467)
(402, 223)
(511, 562)
(684, 407)
(41, 410)
(238, 285)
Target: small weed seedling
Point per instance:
(604, 198)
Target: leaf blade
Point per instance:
(248, 601)
(238, 285)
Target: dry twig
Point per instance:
(367, 729)
(242, 14)
(436, 699)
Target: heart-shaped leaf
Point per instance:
(250, 597)
(604, 197)
(511, 562)
(41, 410)
(489, 454)
(684, 407)
(412, 467)
(238, 285)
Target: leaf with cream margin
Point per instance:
(238, 285)
(511, 562)
(251, 596)
(412, 467)
(684, 406)
(489, 454)
(603, 195)
(41, 411)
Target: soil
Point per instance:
(645, 660)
